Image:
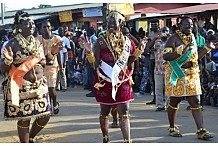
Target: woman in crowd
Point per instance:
(114, 60)
(24, 86)
(182, 76)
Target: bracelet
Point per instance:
(167, 50)
(90, 57)
(179, 50)
(208, 49)
(8, 62)
(137, 53)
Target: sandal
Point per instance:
(174, 132)
(203, 134)
(106, 139)
(56, 108)
(31, 140)
(127, 141)
(113, 125)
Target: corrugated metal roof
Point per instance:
(35, 17)
(54, 9)
(192, 9)
(145, 12)
(148, 10)
(153, 12)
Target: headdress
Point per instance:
(117, 15)
(24, 18)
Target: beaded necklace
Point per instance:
(186, 39)
(29, 46)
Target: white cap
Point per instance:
(210, 31)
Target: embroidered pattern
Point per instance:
(190, 84)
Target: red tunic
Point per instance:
(104, 94)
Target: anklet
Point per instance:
(23, 127)
(39, 125)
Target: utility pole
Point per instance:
(2, 13)
(105, 12)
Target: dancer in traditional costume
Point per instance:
(182, 76)
(24, 86)
(113, 59)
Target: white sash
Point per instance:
(113, 73)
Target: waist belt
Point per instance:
(108, 79)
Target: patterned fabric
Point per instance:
(34, 100)
(158, 48)
(188, 85)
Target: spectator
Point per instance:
(90, 70)
(154, 31)
(61, 83)
(70, 63)
(159, 71)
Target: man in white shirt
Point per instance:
(62, 79)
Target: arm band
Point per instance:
(137, 53)
(90, 57)
(179, 50)
(208, 49)
(167, 50)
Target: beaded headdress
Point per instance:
(24, 18)
(117, 15)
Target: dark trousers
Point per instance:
(151, 69)
(70, 73)
(90, 73)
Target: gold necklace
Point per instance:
(29, 46)
(112, 52)
(185, 39)
(116, 41)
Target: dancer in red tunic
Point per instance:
(113, 58)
